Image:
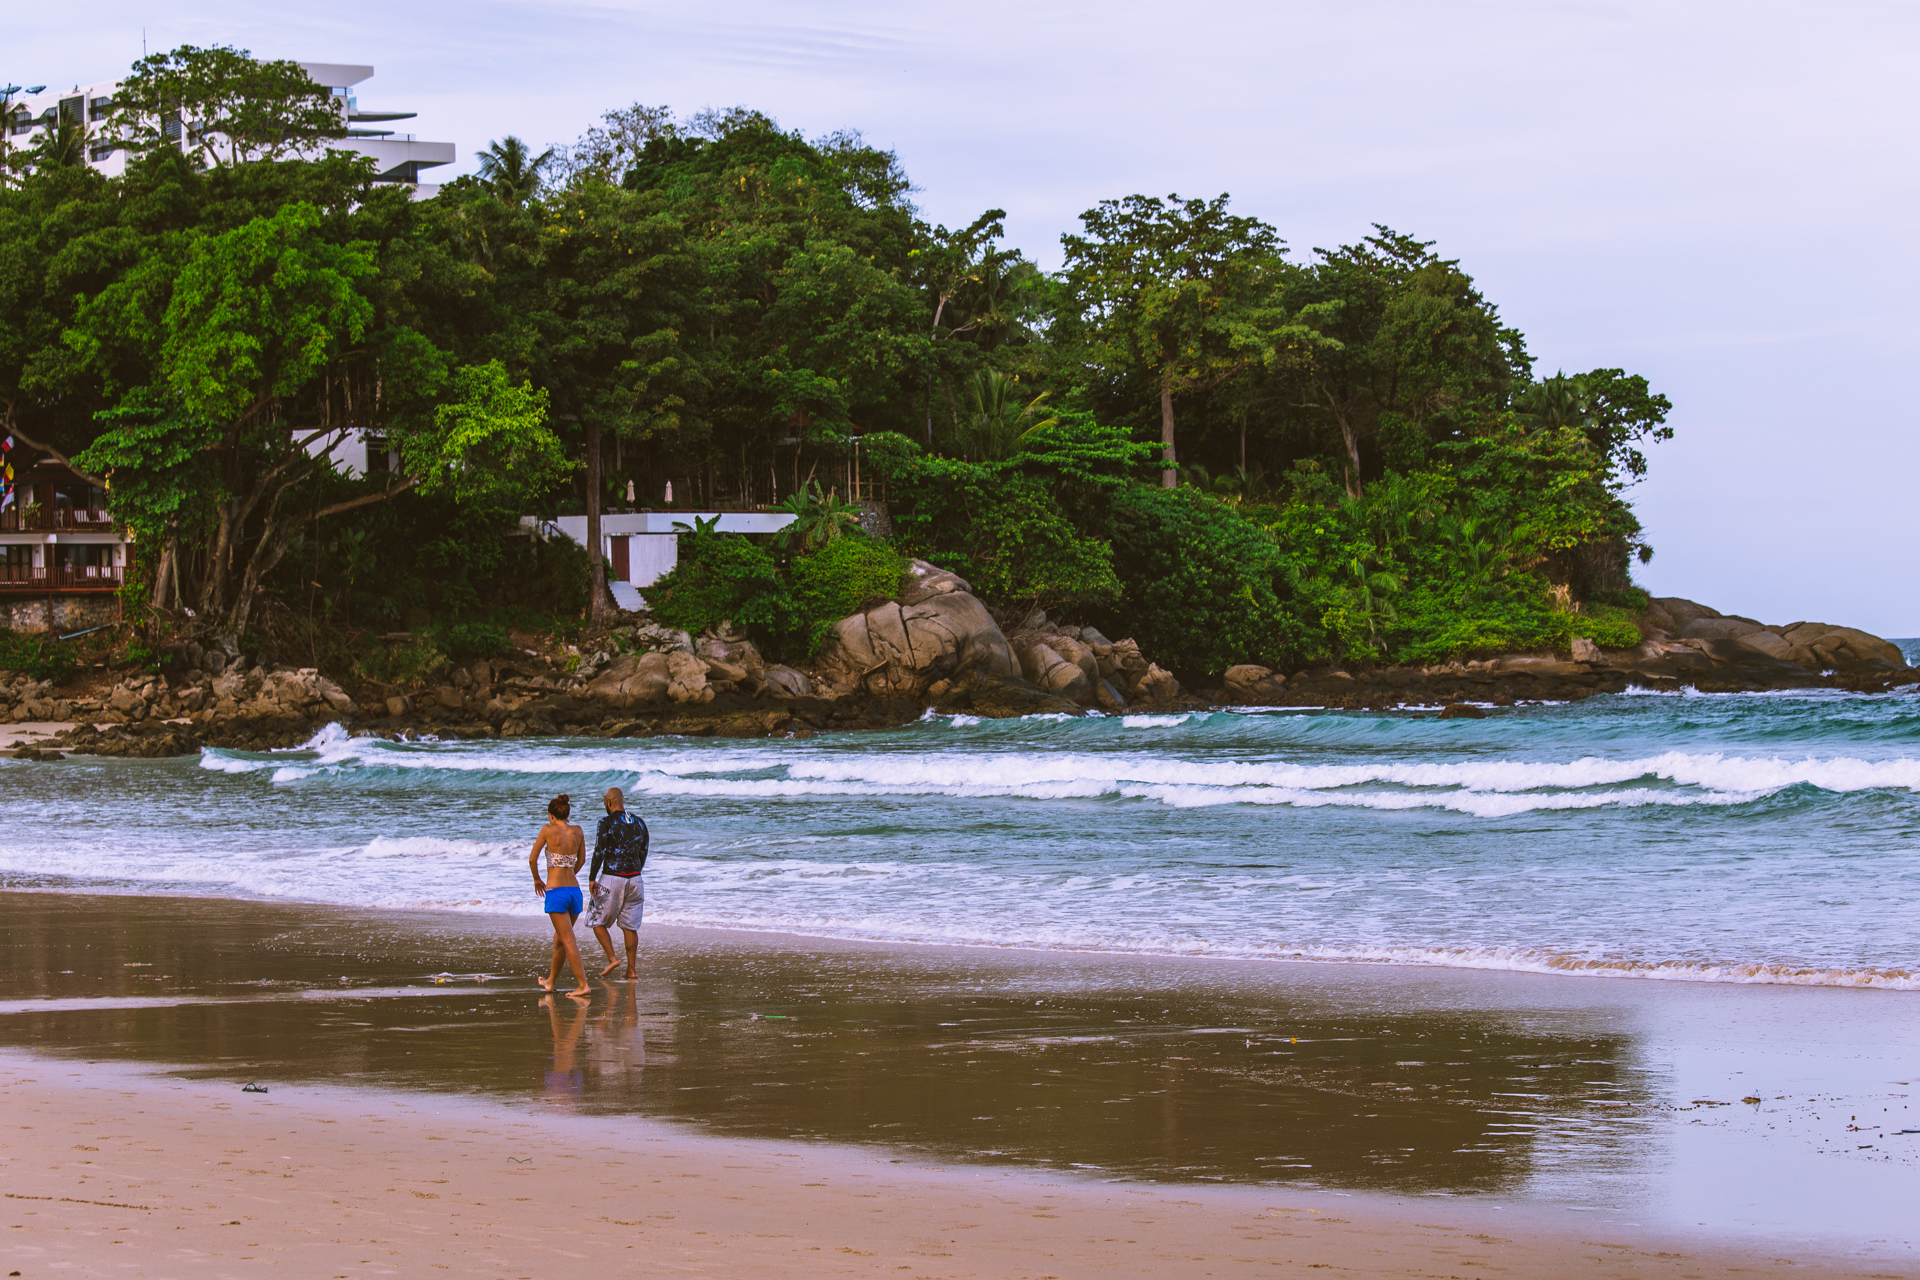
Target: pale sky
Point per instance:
(1709, 194)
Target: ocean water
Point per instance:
(1729, 838)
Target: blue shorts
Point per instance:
(567, 900)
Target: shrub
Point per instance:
(1202, 588)
(411, 665)
(465, 640)
(1025, 553)
(41, 658)
(725, 576)
(845, 576)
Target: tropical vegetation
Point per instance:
(1188, 433)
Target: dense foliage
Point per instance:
(787, 607)
(1187, 434)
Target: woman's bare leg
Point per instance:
(581, 990)
(559, 949)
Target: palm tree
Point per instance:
(817, 518)
(63, 146)
(510, 171)
(1556, 403)
(998, 423)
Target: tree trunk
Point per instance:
(1169, 476)
(1353, 456)
(599, 611)
(163, 576)
(1348, 437)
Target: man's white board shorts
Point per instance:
(619, 901)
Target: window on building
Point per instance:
(73, 110)
(99, 108)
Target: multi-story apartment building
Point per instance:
(399, 157)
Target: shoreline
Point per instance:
(1741, 974)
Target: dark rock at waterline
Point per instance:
(1462, 711)
(149, 741)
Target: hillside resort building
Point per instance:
(398, 157)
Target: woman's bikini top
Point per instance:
(562, 861)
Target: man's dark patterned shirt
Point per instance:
(620, 846)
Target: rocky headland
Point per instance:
(934, 646)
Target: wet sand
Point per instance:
(1545, 1111)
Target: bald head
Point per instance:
(615, 801)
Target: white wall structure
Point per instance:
(642, 547)
(398, 157)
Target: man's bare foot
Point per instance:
(611, 966)
(546, 984)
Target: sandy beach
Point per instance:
(121, 1175)
(762, 1104)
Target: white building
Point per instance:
(398, 157)
(642, 546)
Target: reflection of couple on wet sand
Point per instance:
(616, 1046)
(619, 852)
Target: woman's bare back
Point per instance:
(566, 849)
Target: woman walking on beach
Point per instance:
(566, 847)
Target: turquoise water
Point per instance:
(1725, 838)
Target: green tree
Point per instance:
(250, 319)
(1179, 288)
(1404, 350)
(490, 445)
(223, 106)
(602, 308)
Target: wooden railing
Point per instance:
(54, 519)
(35, 579)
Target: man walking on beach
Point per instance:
(619, 850)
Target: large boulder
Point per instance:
(1044, 665)
(1672, 613)
(1157, 685)
(1820, 645)
(1718, 628)
(673, 676)
(935, 630)
(786, 682)
(1253, 684)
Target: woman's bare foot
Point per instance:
(611, 966)
(581, 993)
(546, 984)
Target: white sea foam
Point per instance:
(1483, 788)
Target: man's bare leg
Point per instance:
(632, 938)
(605, 935)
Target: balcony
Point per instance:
(56, 520)
(22, 579)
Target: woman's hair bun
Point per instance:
(560, 805)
